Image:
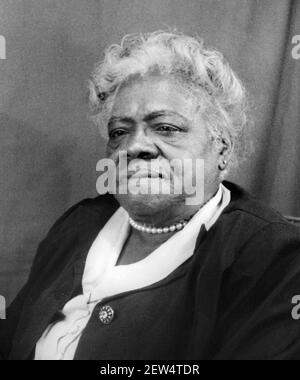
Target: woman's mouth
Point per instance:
(146, 174)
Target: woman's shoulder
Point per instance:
(252, 212)
(258, 234)
(81, 221)
(99, 208)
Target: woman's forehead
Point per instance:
(147, 95)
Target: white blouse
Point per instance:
(102, 278)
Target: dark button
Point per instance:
(106, 315)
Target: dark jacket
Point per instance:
(231, 300)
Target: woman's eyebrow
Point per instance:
(157, 114)
(150, 117)
(123, 119)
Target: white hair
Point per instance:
(222, 97)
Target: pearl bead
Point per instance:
(173, 228)
(159, 231)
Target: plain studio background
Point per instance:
(49, 150)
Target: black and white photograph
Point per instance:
(150, 182)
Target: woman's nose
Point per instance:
(141, 146)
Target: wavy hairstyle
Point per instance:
(222, 97)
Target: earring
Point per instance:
(223, 166)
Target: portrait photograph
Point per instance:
(150, 182)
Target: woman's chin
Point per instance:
(147, 203)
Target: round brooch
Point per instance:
(106, 315)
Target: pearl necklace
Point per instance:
(163, 230)
(157, 231)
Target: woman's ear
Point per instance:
(224, 148)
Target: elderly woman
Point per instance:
(157, 275)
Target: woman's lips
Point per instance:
(145, 174)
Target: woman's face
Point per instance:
(156, 118)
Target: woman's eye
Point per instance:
(117, 133)
(165, 128)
